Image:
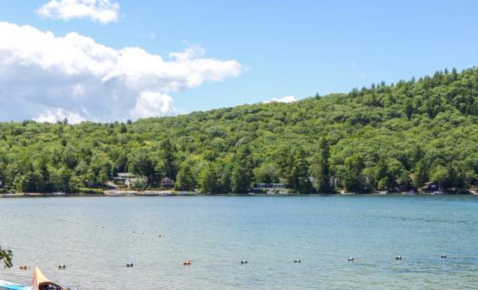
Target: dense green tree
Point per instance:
(268, 172)
(320, 168)
(167, 160)
(440, 175)
(241, 178)
(208, 180)
(60, 179)
(351, 174)
(300, 172)
(185, 179)
(141, 164)
(421, 174)
(224, 175)
(408, 108)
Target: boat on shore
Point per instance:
(4, 285)
(39, 282)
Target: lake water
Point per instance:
(96, 237)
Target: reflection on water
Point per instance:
(97, 237)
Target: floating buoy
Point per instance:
(351, 259)
(187, 263)
(443, 256)
(398, 258)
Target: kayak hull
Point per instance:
(39, 281)
(4, 285)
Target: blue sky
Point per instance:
(284, 47)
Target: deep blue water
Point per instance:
(97, 237)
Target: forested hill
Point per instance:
(381, 137)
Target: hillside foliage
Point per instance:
(377, 138)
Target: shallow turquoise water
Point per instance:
(97, 237)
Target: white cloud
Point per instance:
(52, 116)
(286, 99)
(149, 104)
(192, 52)
(44, 76)
(102, 11)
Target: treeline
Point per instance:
(382, 137)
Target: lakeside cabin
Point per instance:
(268, 186)
(430, 187)
(167, 183)
(128, 179)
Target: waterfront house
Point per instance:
(430, 187)
(404, 188)
(167, 183)
(124, 176)
(128, 179)
(268, 186)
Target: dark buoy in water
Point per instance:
(297, 261)
(398, 258)
(443, 256)
(351, 259)
(244, 262)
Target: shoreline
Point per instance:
(173, 194)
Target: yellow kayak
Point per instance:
(40, 282)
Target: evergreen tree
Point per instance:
(300, 172)
(209, 180)
(351, 174)
(409, 109)
(185, 178)
(167, 159)
(268, 172)
(224, 175)
(123, 128)
(141, 164)
(421, 174)
(241, 178)
(320, 168)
